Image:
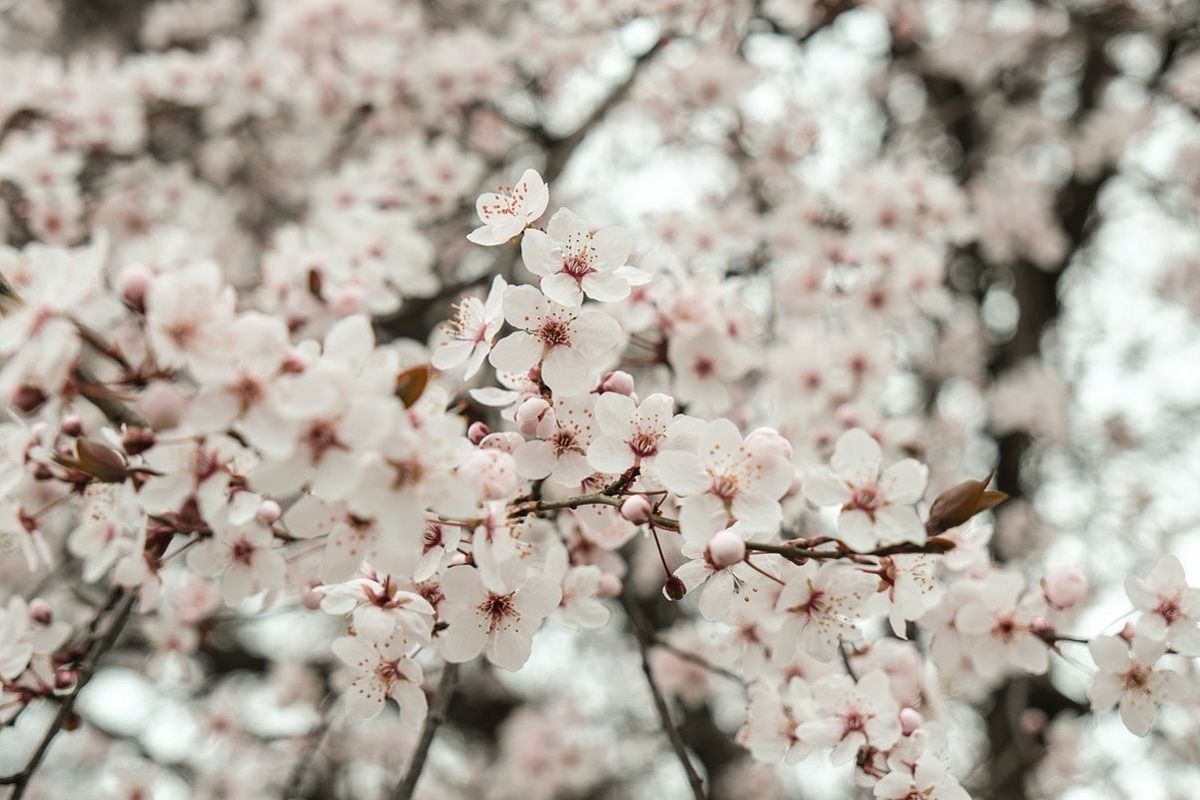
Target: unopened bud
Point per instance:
(348, 301)
(458, 559)
(27, 399)
(609, 585)
(530, 415)
(636, 509)
(1127, 632)
(1040, 626)
(726, 549)
(72, 722)
(310, 598)
(959, 503)
(64, 679)
(1032, 720)
(162, 405)
(1064, 587)
(617, 381)
(133, 284)
(910, 720)
(269, 512)
(137, 440)
(40, 611)
(72, 425)
(674, 589)
(477, 432)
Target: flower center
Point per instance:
(242, 552)
(554, 333)
(409, 472)
(497, 609)
(321, 437)
(643, 444)
(1169, 610)
(865, 498)
(564, 441)
(577, 264)
(724, 487)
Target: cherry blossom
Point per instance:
(566, 343)
(731, 478)
(874, 507)
(500, 618)
(382, 670)
(507, 212)
(1128, 677)
(472, 331)
(572, 260)
(850, 714)
(822, 607)
(243, 556)
(634, 434)
(1170, 608)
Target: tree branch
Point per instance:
(433, 721)
(644, 640)
(98, 645)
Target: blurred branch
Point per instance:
(433, 720)
(644, 639)
(120, 606)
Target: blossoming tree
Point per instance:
(575, 400)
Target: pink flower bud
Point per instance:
(64, 679)
(1040, 626)
(1064, 587)
(457, 560)
(40, 611)
(609, 585)
(1032, 720)
(133, 284)
(348, 301)
(674, 589)
(910, 720)
(162, 405)
(617, 381)
(137, 440)
(310, 598)
(27, 399)
(772, 438)
(726, 549)
(269, 512)
(636, 509)
(530, 414)
(72, 425)
(477, 432)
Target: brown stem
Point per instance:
(644, 640)
(433, 720)
(98, 645)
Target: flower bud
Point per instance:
(530, 414)
(269, 512)
(910, 720)
(477, 432)
(636, 509)
(137, 440)
(772, 438)
(674, 589)
(617, 381)
(1041, 627)
(726, 549)
(162, 405)
(40, 611)
(609, 585)
(64, 679)
(458, 559)
(133, 283)
(348, 301)
(310, 598)
(1064, 587)
(1032, 720)
(27, 399)
(72, 425)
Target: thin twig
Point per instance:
(433, 720)
(296, 780)
(98, 645)
(644, 639)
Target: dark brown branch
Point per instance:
(98, 645)
(644, 640)
(433, 720)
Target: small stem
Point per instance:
(763, 572)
